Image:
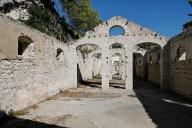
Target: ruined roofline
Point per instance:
(2, 15)
(5, 18)
(125, 22)
(183, 35)
(137, 24)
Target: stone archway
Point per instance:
(133, 35)
(149, 66)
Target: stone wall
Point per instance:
(154, 73)
(138, 65)
(139, 70)
(181, 64)
(181, 80)
(42, 71)
(153, 59)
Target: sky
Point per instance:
(163, 16)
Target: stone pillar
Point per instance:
(89, 65)
(72, 67)
(129, 70)
(166, 67)
(105, 71)
(110, 68)
(123, 68)
(161, 70)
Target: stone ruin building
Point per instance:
(34, 66)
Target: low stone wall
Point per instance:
(154, 73)
(42, 71)
(181, 78)
(24, 83)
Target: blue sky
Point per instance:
(163, 16)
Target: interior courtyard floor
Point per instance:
(91, 107)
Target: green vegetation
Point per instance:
(42, 20)
(80, 12)
(98, 56)
(83, 17)
(188, 24)
(98, 76)
(17, 113)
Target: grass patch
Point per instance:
(17, 113)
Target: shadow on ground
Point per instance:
(167, 110)
(7, 121)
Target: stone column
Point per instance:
(164, 71)
(123, 68)
(129, 70)
(110, 67)
(72, 67)
(165, 67)
(89, 65)
(105, 70)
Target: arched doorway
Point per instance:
(147, 63)
(87, 62)
(117, 65)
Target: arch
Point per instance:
(147, 45)
(139, 50)
(97, 55)
(151, 68)
(85, 60)
(59, 51)
(25, 47)
(134, 34)
(86, 49)
(116, 30)
(85, 41)
(117, 68)
(181, 54)
(150, 39)
(116, 46)
(59, 54)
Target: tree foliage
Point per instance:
(188, 24)
(42, 20)
(83, 17)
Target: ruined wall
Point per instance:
(40, 72)
(138, 66)
(181, 80)
(96, 67)
(153, 59)
(85, 60)
(181, 64)
(154, 73)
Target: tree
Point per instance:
(188, 24)
(190, 2)
(83, 17)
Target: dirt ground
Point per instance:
(90, 107)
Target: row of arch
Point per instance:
(124, 71)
